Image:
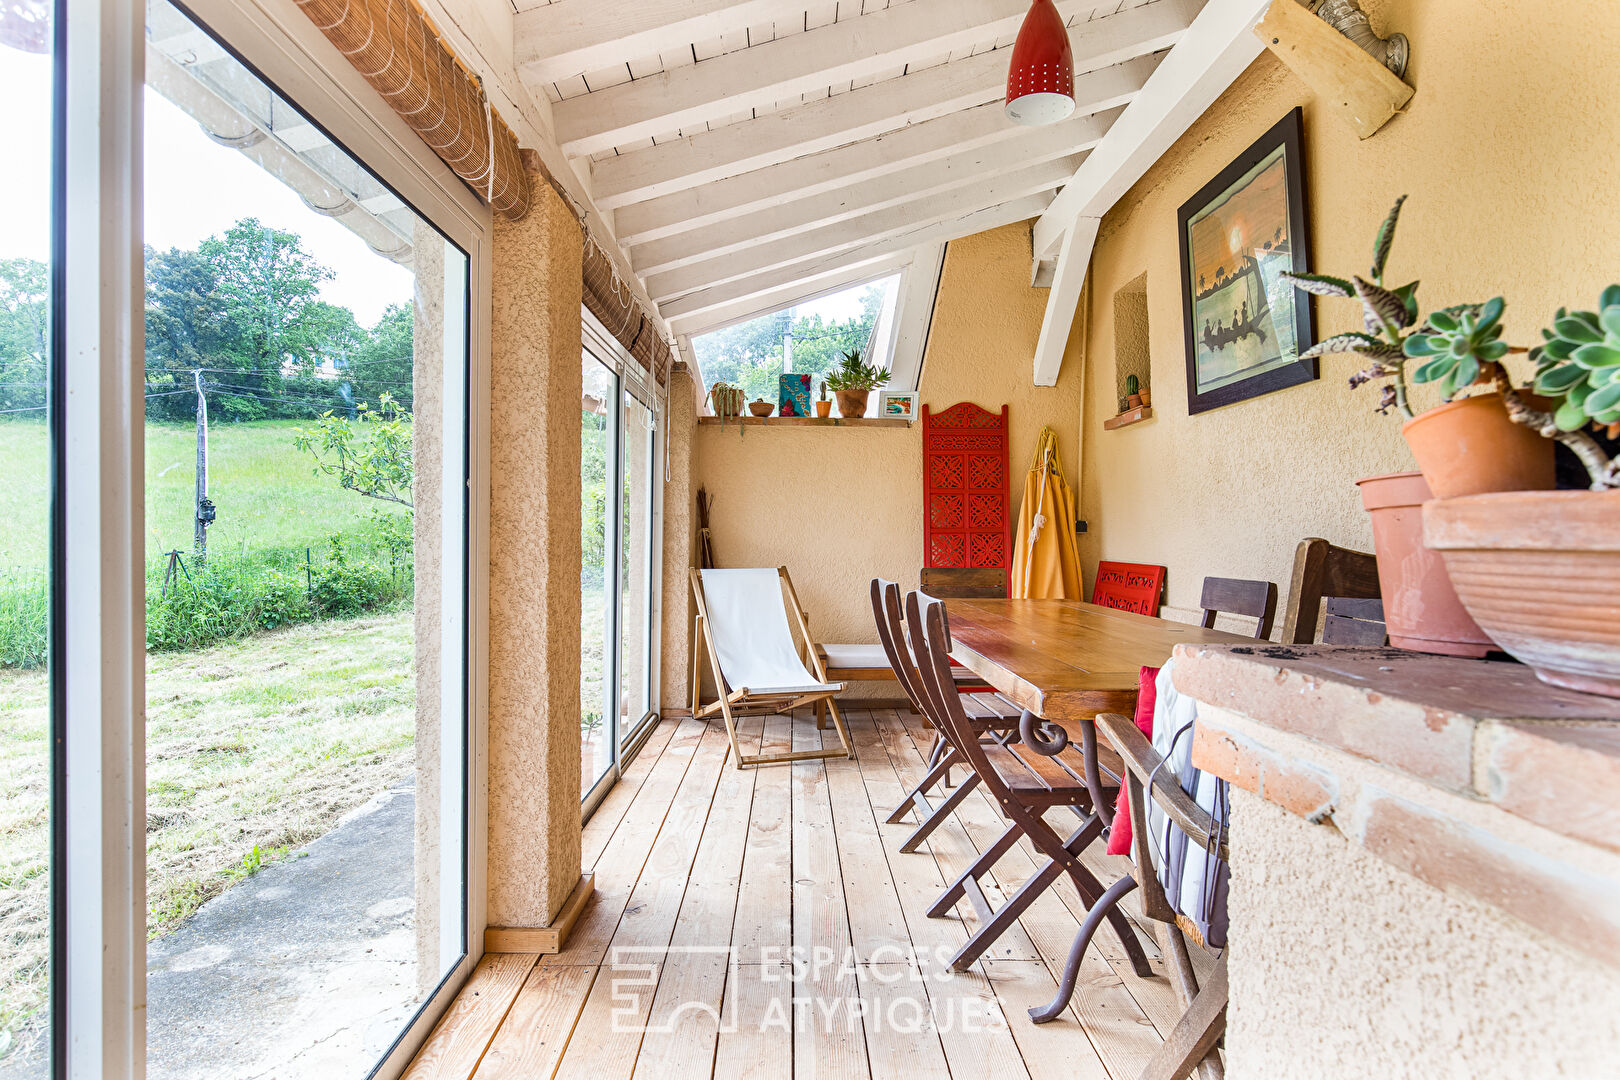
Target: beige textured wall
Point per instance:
(680, 509)
(1504, 150)
(839, 505)
(534, 642)
(1343, 961)
(427, 453)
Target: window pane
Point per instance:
(597, 471)
(635, 591)
(305, 493)
(810, 337)
(26, 74)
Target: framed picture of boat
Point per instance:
(1245, 325)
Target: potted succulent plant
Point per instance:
(1469, 444)
(853, 381)
(823, 406)
(1133, 392)
(1540, 570)
(1462, 446)
(727, 401)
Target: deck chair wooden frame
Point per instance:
(1191, 1044)
(733, 702)
(1024, 781)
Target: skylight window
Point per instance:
(809, 337)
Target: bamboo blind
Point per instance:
(625, 319)
(394, 46)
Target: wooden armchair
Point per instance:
(1323, 570)
(1192, 1043)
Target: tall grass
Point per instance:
(271, 556)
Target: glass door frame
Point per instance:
(628, 377)
(99, 967)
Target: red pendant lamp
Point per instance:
(1040, 81)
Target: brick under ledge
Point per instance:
(1474, 777)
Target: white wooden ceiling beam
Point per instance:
(761, 76)
(1074, 259)
(775, 137)
(565, 38)
(855, 163)
(1042, 159)
(852, 233)
(1217, 49)
(708, 299)
(798, 292)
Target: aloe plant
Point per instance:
(1388, 318)
(852, 373)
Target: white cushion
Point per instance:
(855, 656)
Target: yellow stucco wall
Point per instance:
(839, 505)
(1508, 151)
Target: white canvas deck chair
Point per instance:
(742, 622)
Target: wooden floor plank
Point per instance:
(622, 860)
(464, 1033)
(684, 1022)
(828, 1038)
(619, 1001)
(610, 813)
(783, 935)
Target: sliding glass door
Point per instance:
(620, 479)
(29, 725)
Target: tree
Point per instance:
(750, 354)
(268, 288)
(369, 455)
(24, 332)
(385, 361)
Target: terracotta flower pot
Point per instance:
(761, 408)
(1470, 447)
(1134, 400)
(1540, 570)
(823, 409)
(1421, 608)
(852, 403)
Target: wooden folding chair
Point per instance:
(1192, 1043)
(1025, 781)
(1237, 596)
(758, 670)
(1323, 570)
(990, 716)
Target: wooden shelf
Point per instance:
(806, 421)
(1129, 417)
(1365, 93)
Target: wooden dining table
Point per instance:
(1066, 661)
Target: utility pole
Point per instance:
(205, 508)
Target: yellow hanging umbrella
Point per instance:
(1046, 562)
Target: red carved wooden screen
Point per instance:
(966, 518)
(1129, 587)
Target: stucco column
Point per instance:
(427, 443)
(534, 564)
(680, 424)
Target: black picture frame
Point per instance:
(1286, 369)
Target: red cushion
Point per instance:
(1147, 692)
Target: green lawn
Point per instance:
(267, 492)
(253, 748)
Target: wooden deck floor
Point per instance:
(765, 924)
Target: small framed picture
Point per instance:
(898, 404)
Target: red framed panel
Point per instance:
(967, 520)
(1129, 587)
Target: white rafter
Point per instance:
(1216, 50)
(555, 41)
(963, 175)
(854, 232)
(774, 137)
(942, 138)
(765, 74)
(994, 217)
